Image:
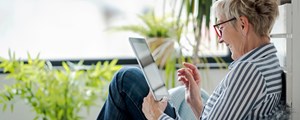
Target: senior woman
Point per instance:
(251, 89)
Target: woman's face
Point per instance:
(232, 37)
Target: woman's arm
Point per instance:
(190, 77)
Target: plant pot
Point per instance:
(162, 49)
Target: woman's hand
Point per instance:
(190, 77)
(153, 109)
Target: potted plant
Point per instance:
(197, 18)
(55, 94)
(186, 17)
(161, 34)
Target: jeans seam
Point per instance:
(128, 76)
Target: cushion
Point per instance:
(177, 98)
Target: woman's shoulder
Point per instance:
(269, 71)
(242, 71)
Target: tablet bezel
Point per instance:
(149, 61)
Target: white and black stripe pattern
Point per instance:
(166, 117)
(251, 90)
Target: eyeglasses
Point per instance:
(218, 29)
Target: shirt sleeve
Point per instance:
(166, 117)
(244, 86)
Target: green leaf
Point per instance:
(170, 72)
(193, 6)
(208, 4)
(9, 53)
(113, 63)
(3, 63)
(54, 89)
(98, 67)
(188, 10)
(29, 59)
(134, 28)
(36, 117)
(105, 65)
(60, 114)
(49, 65)
(37, 57)
(4, 107)
(11, 107)
(66, 67)
(9, 67)
(41, 64)
(80, 63)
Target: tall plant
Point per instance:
(55, 94)
(162, 33)
(196, 13)
(183, 14)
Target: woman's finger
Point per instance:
(180, 71)
(183, 80)
(150, 95)
(189, 77)
(189, 65)
(194, 70)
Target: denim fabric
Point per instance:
(126, 93)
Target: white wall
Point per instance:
(295, 60)
(212, 78)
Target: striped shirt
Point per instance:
(250, 90)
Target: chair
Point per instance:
(286, 109)
(177, 98)
(283, 95)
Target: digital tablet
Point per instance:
(149, 68)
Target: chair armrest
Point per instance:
(177, 98)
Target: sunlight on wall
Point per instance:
(75, 29)
(57, 30)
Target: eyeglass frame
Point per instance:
(217, 28)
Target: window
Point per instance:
(70, 29)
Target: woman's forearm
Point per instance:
(197, 107)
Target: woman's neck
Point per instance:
(255, 41)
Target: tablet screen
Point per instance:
(149, 68)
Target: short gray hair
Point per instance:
(260, 13)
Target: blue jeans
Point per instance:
(126, 93)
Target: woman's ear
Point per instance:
(244, 25)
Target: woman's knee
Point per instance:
(129, 70)
(126, 77)
(128, 73)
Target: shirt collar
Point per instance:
(256, 53)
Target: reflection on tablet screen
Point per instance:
(149, 68)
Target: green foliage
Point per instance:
(55, 94)
(161, 33)
(188, 15)
(153, 27)
(197, 12)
